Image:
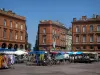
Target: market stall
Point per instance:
(6, 58)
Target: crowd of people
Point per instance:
(44, 59)
(50, 59)
(7, 60)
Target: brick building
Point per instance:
(13, 30)
(51, 35)
(86, 34)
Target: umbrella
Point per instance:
(77, 53)
(69, 52)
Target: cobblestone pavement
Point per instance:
(68, 69)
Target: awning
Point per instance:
(37, 52)
(7, 51)
(62, 53)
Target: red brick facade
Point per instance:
(12, 30)
(51, 35)
(86, 34)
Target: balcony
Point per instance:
(5, 27)
(44, 34)
(90, 32)
(91, 50)
(77, 33)
(16, 29)
(76, 43)
(98, 42)
(85, 32)
(91, 43)
(84, 43)
(97, 32)
(11, 28)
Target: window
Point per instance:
(16, 25)
(77, 38)
(91, 28)
(16, 35)
(4, 33)
(10, 35)
(91, 47)
(84, 47)
(10, 24)
(98, 47)
(77, 29)
(98, 28)
(98, 38)
(77, 48)
(44, 40)
(53, 31)
(4, 22)
(54, 44)
(0, 31)
(84, 28)
(21, 38)
(44, 30)
(91, 38)
(84, 38)
(21, 27)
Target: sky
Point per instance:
(61, 10)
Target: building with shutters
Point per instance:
(13, 30)
(86, 34)
(51, 35)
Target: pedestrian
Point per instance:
(37, 59)
(9, 62)
(12, 61)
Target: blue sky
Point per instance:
(62, 10)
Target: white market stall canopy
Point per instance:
(20, 52)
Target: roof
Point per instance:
(85, 19)
(11, 14)
(57, 23)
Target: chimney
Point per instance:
(50, 21)
(74, 19)
(84, 17)
(3, 9)
(94, 16)
(97, 16)
(9, 11)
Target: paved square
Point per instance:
(68, 69)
